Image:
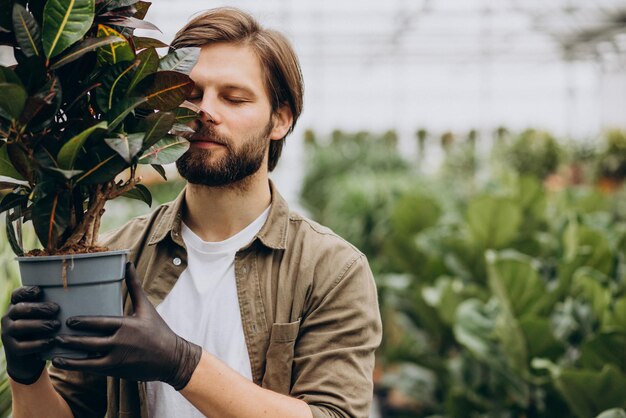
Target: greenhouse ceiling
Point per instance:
(432, 31)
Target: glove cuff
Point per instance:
(189, 355)
(26, 380)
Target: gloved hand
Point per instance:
(138, 347)
(27, 330)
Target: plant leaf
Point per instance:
(142, 42)
(78, 50)
(142, 9)
(157, 126)
(6, 166)
(68, 153)
(20, 161)
(185, 115)
(148, 64)
(166, 151)
(51, 213)
(12, 200)
(7, 75)
(12, 100)
(166, 90)
(115, 52)
(115, 83)
(140, 192)
(13, 241)
(181, 60)
(27, 32)
(130, 22)
(121, 109)
(127, 146)
(159, 169)
(64, 23)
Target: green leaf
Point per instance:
(588, 392)
(121, 109)
(51, 213)
(68, 153)
(140, 192)
(494, 221)
(587, 283)
(540, 338)
(159, 169)
(166, 151)
(20, 161)
(126, 145)
(12, 100)
(185, 115)
(80, 49)
(27, 32)
(115, 52)
(602, 349)
(615, 316)
(157, 125)
(65, 174)
(149, 63)
(142, 8)
(13, 241)
(5, 14)
(12, 200)
(64, 23)
(143, 42)
(514, 280)
(6, 166)
(613, 413)
(7, 75)
(181, 60)
(115, 82)
(166, 90)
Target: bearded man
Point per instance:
(237, 306)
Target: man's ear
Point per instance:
(282, 120)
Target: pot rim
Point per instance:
(70, 256)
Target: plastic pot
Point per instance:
(81, 284)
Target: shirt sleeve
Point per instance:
(85, 394)
(334, 354)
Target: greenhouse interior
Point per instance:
(473, 150)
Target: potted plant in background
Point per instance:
(86, 104)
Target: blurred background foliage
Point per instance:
(502, 276)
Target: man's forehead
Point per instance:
(229, 61)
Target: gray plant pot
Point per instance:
(94, 287)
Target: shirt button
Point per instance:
(244, 270)
(177, 261)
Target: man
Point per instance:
(259, 311)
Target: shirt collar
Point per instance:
(273, 234)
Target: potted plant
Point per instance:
(86, 104)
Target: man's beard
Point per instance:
(196, 166)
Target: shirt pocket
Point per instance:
(279, 357)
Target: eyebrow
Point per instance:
(230, 87)
(242, 89)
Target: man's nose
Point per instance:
(208, 110)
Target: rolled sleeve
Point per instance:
(334, 354)
(85, 394)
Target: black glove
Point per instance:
(138, 347)
(27, 331)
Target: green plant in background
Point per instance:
(87, 101)
(612, 160)
(535, 153)
(506, 300)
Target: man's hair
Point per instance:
(281, 69)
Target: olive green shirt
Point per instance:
(308, 304)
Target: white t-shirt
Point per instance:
(203, 308)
